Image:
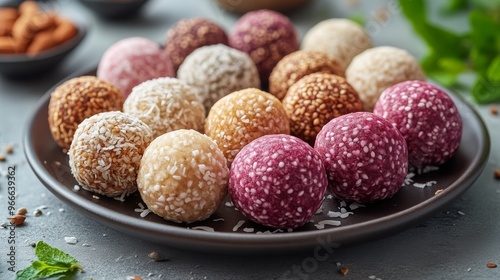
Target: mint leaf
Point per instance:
(486, 91)
(493, 72)
(46, 253)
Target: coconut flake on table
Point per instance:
(70, 240)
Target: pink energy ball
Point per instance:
(426, 117)
(278, 181)
(365, 157)
(132, 61)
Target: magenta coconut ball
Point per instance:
(365, 157)
(278, 181)
(426, 117)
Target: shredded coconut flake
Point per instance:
(205, 228)
(238, 225)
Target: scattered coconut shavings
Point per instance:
(219, 220)
(61, 210)
(342, 215)
(121, 197)
(238, 225)
(424, 185)
(229, 204)
(70, 240)
(408, 180)
(330, 196)
(95, 197)
(342, 204)
(469, 269)
(355, 205)
(318, 212)
(205, 228)
(85, 245)
(321, 224)
(461, 213)
(143, 212)
(76, 188)
(248, 229)
(427, 169)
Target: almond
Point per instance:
(17, 219)
(42, 21)
(43, 41)
(7, 45)
(8, 14)
(64, 31)
(29, 8)
(6, 28)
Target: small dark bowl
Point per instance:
(114, 9)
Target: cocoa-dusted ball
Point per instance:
(77, 99)
(315, 100)
(189, 34)
(298, 64)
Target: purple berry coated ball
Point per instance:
(278, 181)
(426, 117)
(365, 157)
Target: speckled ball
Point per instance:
(106, 151)
(77, 99)
(316, 99)
(267, 36)
(278, 181)
(298, 64)
(190, 34)
(376, 69)
(243, 116)
(217, 70)
(166, 104)
(183, 176)
(342, 39)
(426, 117)
(365, 157)
(132, 61)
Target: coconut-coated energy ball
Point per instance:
(166, 104)
(217, 70)
(278, 181)
(376, 69)
(365, 157)
(342, 39)
(267, 36)
(314, 100)
(183, 176)
(243, 116)
(426, 117)
(106, 151)
(77, 99)
(132, 61)
(189, 34)
(298, 64)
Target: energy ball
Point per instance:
(183, 176)
(267, 36)
(376, 69)
(77, 99)
(243, 116)
(426, 117)
(315, 100)
(342, 39)
(106, 151)
(132, 61)
(278, 181)
(216, 71)
(298, 64)
(365, 157)
(166, 104)
(189, 34)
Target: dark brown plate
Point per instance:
(407, 208)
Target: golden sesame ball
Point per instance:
(297, 65)
(183, 176)
(242, 116)
(77, 99)
(315, 100)
(105, 154)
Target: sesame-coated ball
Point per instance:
(183, 176)
(298, 64)
(243, 116)
(342, 39)
(217, 70)
(166, 104)
(316, 99)
(426, 117)
(189, 34)
(267, 36)
(106, 151)
(376, 69)
(365, 157)
(77, 99)
(278, 181)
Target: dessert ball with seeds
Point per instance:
(183, 176)
(278, 181)
(342, 39)
(243, 116)
(77, 99)
(374, 70)
(267, 37)
(166, 104)
(365, 157)
(106, 151)
(316, 99)
(216, 71)
(426, 117)
(297, 65)
(189, 34)
(132, 61)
